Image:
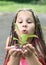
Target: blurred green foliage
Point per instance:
(11, 6)
(28, 1)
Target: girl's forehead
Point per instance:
(23, 13)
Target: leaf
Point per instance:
(31, 36)
(16, 26)
(25, 37)
(15, 38)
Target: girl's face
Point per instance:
(25, 23)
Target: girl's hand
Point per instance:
(13, 51)
(15, 54)
(29, 50)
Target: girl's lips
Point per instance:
(24, 31)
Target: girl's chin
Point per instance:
(24, 33)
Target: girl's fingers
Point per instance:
(29, 46)
(9, 47)
(13, 51)
(24, 51)
(16, 54)
(29, 50)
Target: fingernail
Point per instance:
(24, 46)
(25, 50)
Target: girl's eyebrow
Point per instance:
(19, 19)
(30, 19)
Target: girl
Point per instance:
(32, 53)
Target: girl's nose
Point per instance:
(24, 24)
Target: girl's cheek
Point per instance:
(31, 30)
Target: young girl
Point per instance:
(32, 53)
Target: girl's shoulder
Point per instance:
(8, 40)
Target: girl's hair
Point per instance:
(40, 43)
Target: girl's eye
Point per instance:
(29, 22)
(20, 21)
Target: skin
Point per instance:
(24, 21)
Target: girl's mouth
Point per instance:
(24, 31)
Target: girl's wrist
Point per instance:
(33, 60)
(14, 60)
(15, 56)
(31, 56)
